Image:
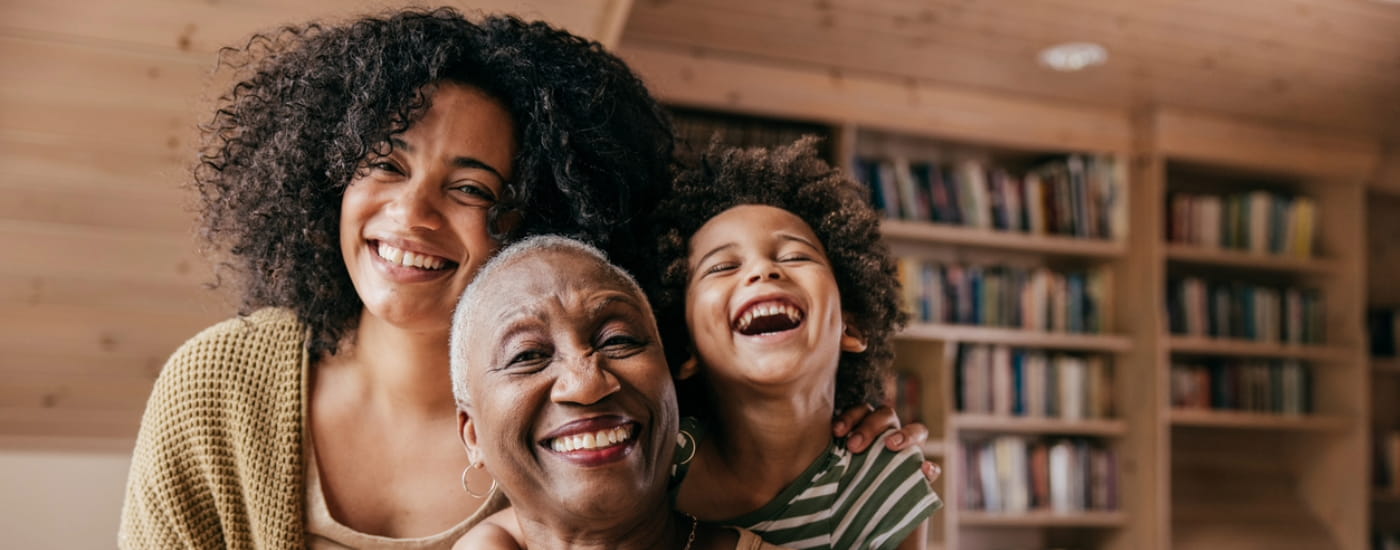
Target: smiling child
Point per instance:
(773, 267)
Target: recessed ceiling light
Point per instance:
(1073, 56)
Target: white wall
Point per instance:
(61, 498)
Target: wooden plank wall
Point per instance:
(99, 276)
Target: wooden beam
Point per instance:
(697, 79)
(1190, 135)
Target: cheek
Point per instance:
(471, 229)
(356, 205)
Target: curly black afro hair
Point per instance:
(311, 103)
(792, 178)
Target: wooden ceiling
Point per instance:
(1331, 64)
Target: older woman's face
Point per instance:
(413, 227)
(572, 407)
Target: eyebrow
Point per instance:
(712, 252)
(799, 239)
(784, 236)
(459, 162)
(621, 298)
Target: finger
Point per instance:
(909, 436)
(931, 471)
(850, 417)
(877, 422)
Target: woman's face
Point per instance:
(572, 408)
(413, 226)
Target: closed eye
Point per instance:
(721, 267)
(621, 345)
(527, 359)
(474, 193)
(385, 166)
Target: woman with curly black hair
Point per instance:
(357, 175)
(774, 282)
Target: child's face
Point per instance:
(762, 304)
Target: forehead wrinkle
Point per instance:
(615, 297)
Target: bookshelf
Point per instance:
(1188, 479)
(1229, 219)
(1383, 299)
(930, 347)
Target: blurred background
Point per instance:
(1150, 247)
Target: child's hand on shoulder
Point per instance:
(499, 531)
(864, 424)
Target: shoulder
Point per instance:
(886, 497)
(250, 349)
(223, 422)
(267, 331)
(499, 531)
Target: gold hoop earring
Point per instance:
(467, 486)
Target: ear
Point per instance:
(851, 338)
(688, 368)
(466, 428)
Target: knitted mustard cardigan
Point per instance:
(219, 461)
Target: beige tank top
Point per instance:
(323, 532)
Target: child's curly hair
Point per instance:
(794, 179)
(311, 103)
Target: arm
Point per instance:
(164, 498)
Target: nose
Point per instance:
(415, 205)
(764, 270)
(584, 380)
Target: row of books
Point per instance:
(1388, 462)
(1258, 221)
(1384, 326)
(1075, 196)
(1002, 296)
(1000, 380)
(1280, 386)
(1014, 474)
(1232, 309)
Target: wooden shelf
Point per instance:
(934, 447)
(1235, 259)
(1386, 365)
(1101, 427)
(1017, 337)
(1042, 519)
(1246, 348)
(1256, 421)
(1048, 245)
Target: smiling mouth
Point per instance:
(403, 258)
(768, 317)
(591, 441)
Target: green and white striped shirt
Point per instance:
(872, 500)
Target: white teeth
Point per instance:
(409, 259)
(595, 440)
(762, 310)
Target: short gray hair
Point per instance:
(480, 287)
